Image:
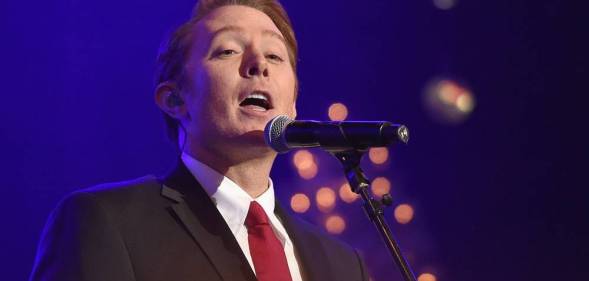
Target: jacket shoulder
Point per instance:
(122, 193)
(82, 236)
(121, 201)
(141, 184)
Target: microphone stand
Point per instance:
(350, 159)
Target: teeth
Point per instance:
(257, 96)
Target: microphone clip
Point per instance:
(373, 208)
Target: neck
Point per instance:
(249, 173)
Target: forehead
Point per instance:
(236, 18)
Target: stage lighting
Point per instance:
(300, 203)
(325, 198)
(444, 4)
(346, 193)
(337, 112)
(426, 277)
(378, 155)
(380, 186)
(335, 224)
(448, 101)
(404, 213)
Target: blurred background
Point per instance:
(492, 185)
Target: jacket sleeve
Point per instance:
(81, 242)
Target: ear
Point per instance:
(164, 93)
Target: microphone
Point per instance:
(283, 134)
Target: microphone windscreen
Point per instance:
(274, 133)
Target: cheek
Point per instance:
(221, 78)
(217, 87)
(288, 87)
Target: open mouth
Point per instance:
(257, 100)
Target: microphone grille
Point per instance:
(274, 133)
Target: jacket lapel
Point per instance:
(307, 246)
(202, 220)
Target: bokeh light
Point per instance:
(309, 173)
(335, 224)
(378, 155)
(303, 159)
(444, 4)
(337, 112)
(346, 193)
(426, 277)
(300, 203)
(404, 213)
(305, 163)
(447, 101)
(380, 186)
(325, 198)
(465, 103)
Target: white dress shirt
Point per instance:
(233, 204)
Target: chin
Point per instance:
(249, 146)
(253, 138)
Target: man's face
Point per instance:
(239, 77)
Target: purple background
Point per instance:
(499, 197)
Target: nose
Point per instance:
(255, 65)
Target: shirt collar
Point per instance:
(231, 200)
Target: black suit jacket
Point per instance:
(154, 229)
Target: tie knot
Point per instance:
(256, 215)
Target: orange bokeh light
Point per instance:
(335, 224)
(346, 193)
(381, 186)
(448, 101)
(426, 277)
(305, 163)
(303, 159)
(404, 213)
(378, 155)
(449, 91)
(300, 203)
(465, 102)
(337, 112)
(456, 96)
(309, 172)
(325, 198)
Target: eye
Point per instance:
(226, 53)
(274, 57)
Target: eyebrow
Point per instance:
(234, 28)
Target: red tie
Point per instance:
(266, 250)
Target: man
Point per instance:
(223, 75)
